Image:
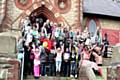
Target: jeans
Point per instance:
(52, 69)
(58, 66)
(66, 69)
(43, 68)
(73, 68)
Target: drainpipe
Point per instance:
(2, 13)
(81, 15)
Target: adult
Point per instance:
(66, 62)
(106, 44)
(43, 57)
(73, 62)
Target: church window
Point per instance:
(92, 27)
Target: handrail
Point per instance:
(22, 67)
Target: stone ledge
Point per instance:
(3, 74)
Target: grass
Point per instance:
(104, 77)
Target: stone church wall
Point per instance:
(70, 18)
(109, 26)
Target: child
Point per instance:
(37, 64)
(58, 60)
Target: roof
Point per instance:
(102, 7)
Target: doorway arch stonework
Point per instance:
(71, 18)
(47, 9)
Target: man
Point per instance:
(43, 57)
(106, 44)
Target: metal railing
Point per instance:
(22, 67)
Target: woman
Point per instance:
(73, 62)
(58, 59)
(66, 62)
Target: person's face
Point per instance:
(55, 43)
(47, 21)
(73, 51)
(37, 50)
(67, 49)
(61, 43)
(92, 34)
(33, 45)
(27, 18)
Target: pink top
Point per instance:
(37, 58)
(86, 55)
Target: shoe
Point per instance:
(100, 72)
(71, 76)
(46, 75)
(76, 76)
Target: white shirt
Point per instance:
(56, 32)
(29, 38)
(59, 56)
(88, 41)
(66, 56)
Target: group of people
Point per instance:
(52, 49)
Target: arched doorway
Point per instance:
(41, 14)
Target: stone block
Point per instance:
(115, 55)
(8, 42)
(86, 73)
(3, 74)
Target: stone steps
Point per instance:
(104, 77)
(50, 78)
(62, 78)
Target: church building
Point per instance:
(75, 14)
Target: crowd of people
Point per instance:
(53, 49)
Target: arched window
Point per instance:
(92, 27)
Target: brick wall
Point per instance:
(73, 16)
(13, 69)
(104, 23)
(14, 14)
(113, 73)
(109, 26)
